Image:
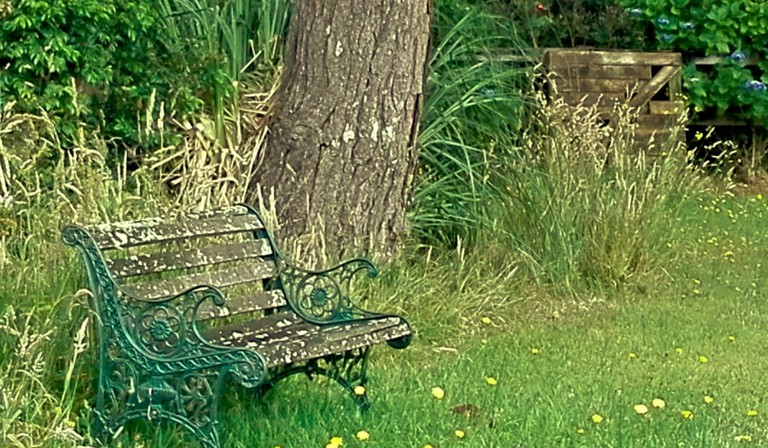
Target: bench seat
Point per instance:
(285, 338)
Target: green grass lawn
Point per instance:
(688, 345)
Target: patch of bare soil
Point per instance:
(751, 184)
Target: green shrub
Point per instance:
(735, 30)
(97, 61)
(572, 23)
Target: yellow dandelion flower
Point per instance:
(438, 393)
(708, 399)
(362, 436)
(486, 320)
(751, 412)
(632, 355)
(679, 350)
(535, 351)
(459, 434)
(658, 403)
(641, 409)
(703, 359)
(581, 431)
(491, 381)
(333, 445)
(359, 390)
(597, 418)
(336, 440)
(743, 438)
(759, 197)
(688, 415)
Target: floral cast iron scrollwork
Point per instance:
(324, 296)
(349, 370)
(160, 328)
(154, 362)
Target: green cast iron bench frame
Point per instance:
(186, 305)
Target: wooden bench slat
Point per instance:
(296, 351)
(137, 233)
(257, 270)
(285, 338)
(271, 324)
(149, 222)
(181, 259)
(262, 300)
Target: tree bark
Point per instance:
(341, 155)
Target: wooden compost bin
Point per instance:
(650, 82)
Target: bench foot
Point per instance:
(189, 400)
(347, 370)
(105, 431)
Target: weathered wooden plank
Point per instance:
(136, 233)
(659, 139)
(285, 338)
(639, 72)
(591, 85)
(319, 346)
(183, 259)
(234, 305)
(656, 121)
(569, 58)
(666, 107)
(592, 99)
(653, 86)
(156, 289)
(267, 327)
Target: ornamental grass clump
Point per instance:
(584, 205)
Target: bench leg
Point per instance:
(348, 370)
(189, 400)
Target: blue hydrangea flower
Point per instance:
(757, 86)
(487, 91)
(665, 37)
(738, 56)
(687, 25)
(662, 21)
(636, 12)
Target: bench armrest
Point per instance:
(167, 332)
(167, 325)
(323, 296)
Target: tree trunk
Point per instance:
(342, 156)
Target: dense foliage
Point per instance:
(735, 30)
(97, 62)
(572, 23)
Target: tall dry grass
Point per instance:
(585, 205)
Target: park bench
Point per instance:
(186, 305)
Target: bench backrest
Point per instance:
(230, 249)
